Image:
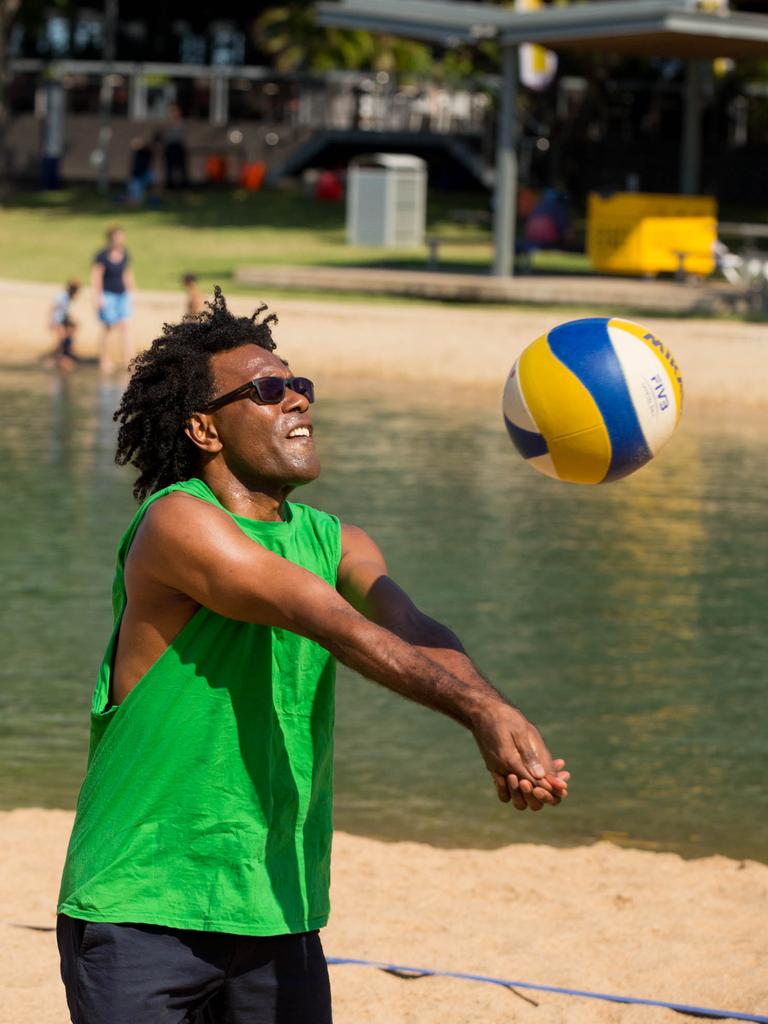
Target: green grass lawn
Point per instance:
(50, 236)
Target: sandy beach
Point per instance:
(722, 360)
(600, 918)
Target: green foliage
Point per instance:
(291, 36)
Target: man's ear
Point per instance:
(202, 432)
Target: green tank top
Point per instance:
(208, 796)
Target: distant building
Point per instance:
(582, 132)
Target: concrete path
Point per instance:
(614, 293)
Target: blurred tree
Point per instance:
(290, 35)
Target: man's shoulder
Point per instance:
(171, 521)
(179, 503)
(174, 504)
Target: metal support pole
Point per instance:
(53, 133)
(505, 188)
(690, 149)
(219, 100)
(137, 97)
(105, 97)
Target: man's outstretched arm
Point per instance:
(187, 547)
(364, 582)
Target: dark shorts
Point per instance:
(65, 347)
(147, 974)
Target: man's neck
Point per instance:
(260, 502)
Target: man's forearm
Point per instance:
(508, 743)
(381, 655)
(441, 645)
(459, 664)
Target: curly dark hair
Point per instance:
(171, 380)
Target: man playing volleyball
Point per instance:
(198, 868)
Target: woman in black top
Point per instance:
(113, 282)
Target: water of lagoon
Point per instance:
(629, 621)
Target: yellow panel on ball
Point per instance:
(566, 415)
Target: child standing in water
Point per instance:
(63, 328)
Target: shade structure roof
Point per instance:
(659, 28)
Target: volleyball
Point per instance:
(593, 400)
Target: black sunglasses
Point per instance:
(268, 390)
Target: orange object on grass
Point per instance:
(216, 169)
(252, 175)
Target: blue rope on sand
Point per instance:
(424, 972)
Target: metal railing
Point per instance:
(337, 100)
(430, 109)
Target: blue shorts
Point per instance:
(137, 187)
(114, 307)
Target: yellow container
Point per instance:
(643, 233)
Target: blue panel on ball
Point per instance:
(584, 346)
(527, 442)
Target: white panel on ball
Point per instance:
(650, 387)
(515, 408)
